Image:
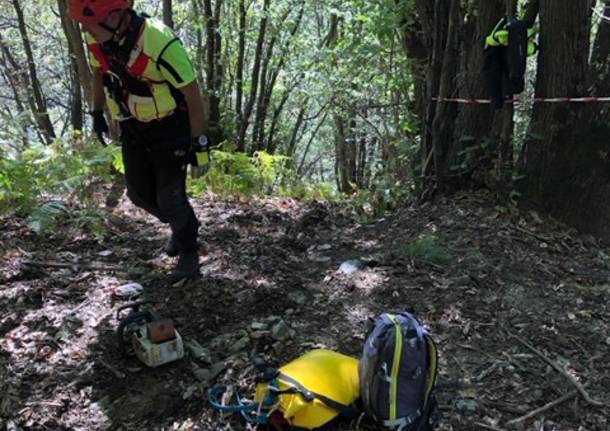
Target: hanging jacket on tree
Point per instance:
(504, 61)
(143, 74)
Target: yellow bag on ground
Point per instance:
(314, 388)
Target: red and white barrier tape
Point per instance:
(473, 101)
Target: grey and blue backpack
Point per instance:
(398, 373)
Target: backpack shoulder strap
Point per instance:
(347, 411)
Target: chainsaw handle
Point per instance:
(133, 317)
(135, 306)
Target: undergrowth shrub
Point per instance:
(383, 195)
(239, 174)
(40, 181)
(426, 248)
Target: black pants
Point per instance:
(155, 157)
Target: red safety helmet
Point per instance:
(94, 11)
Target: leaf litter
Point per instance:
(518, 308)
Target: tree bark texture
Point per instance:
(214, 70)
(168, 14)
(444, 119)
(256, 69)
(566, 158)
(241, 52)
(268, 80)
(40, 111)
(77, 50)
(436, 18)
(476, 143)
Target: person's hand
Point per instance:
(100, 126)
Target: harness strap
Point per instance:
(249, 411)
(117, 55)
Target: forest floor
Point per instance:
(501, 288)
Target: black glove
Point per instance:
(100, 126)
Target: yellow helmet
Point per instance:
(323, 374)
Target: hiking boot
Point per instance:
(187, 266)
(171, 248)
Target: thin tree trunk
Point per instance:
(197, 7)
(40, 112)
(443, 124)
(168, 15)
(245, 120)
(259, 116)
(268, 83)
(77, 50)
(23, 116)
(311, 139)
(292, 144)
(241, 52)
(340, 157)
(436, 19)
(213, 68)
(271, 143)
(505, 162)
(414, 47)
(76, 105)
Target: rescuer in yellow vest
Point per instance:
(142, 73)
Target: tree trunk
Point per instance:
(434, 16)
(414, 46)
(566, 157)
(23, 117)
(245, 120)
(241, 52)
(271, 143)
(214, 70)
(168, 15)
(292, 144)
(40, 112)
(196, 8)
(79, 68)
(76, 105)
(476, 143)
(341, 162)
(261, 109)
(505, 157)
(313, 136)
(443, 124)
(77, 50)
(268, 83)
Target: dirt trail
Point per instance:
(496, 286)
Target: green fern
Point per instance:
(45, 216)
